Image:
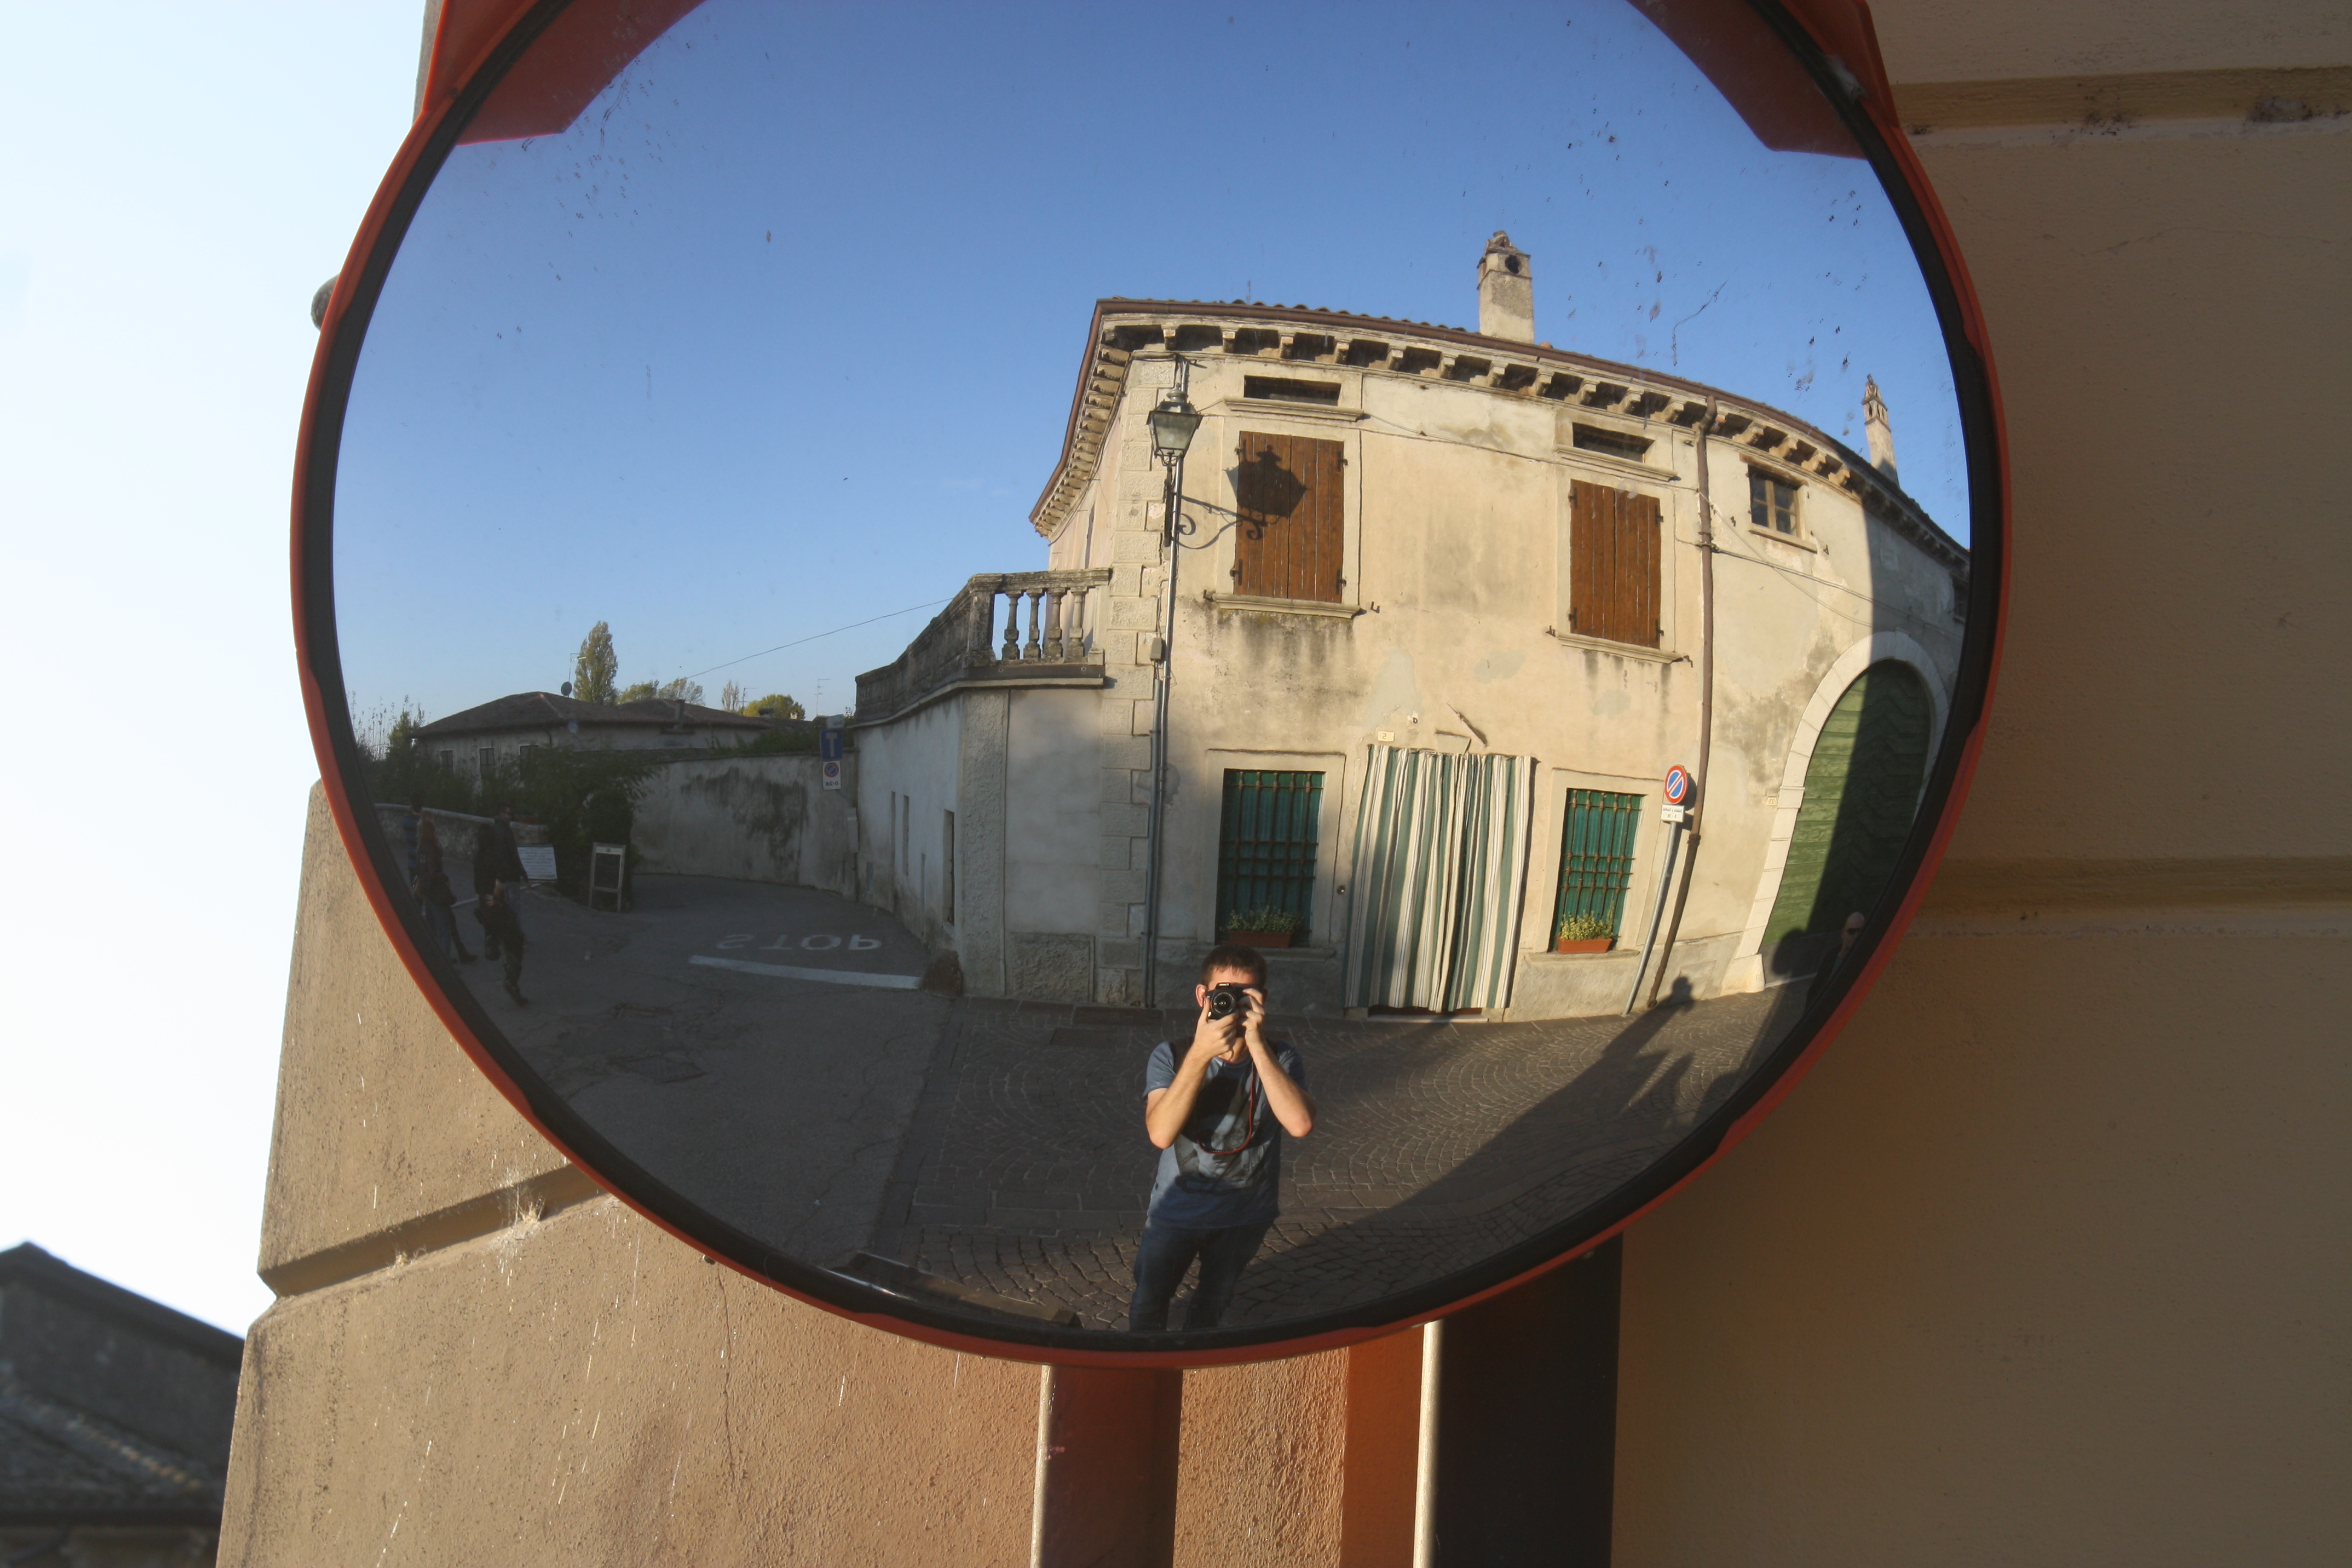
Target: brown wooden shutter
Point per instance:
(1293, 518)
(1612, 564)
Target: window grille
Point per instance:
(1265, 844)
(1596, 856)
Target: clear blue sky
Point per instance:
(781, 333)
(174, 180)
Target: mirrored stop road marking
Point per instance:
(817, 941)
(797, 971)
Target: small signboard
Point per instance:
(1678, 785)
(538, 861)
(1673, 813)
(608, 867)
(832, 774)
(828, 743)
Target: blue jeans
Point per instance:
(1167, 1251)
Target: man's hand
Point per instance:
(1214, 1037)
(1292, 1106)
(1165, 1111)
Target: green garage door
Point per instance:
(1861, 789)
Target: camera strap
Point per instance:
(1249, 1117)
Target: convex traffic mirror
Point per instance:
(857, 566)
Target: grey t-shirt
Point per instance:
(1226, 1166)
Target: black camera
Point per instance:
(1228, 999)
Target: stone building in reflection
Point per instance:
(1436, 631)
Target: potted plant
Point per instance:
(1583, 933)
(1267, 927)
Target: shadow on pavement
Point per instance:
(1436, 1145)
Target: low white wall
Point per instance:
(458, 831)
(756, 818)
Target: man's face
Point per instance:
(1227, 977)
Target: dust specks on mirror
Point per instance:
(1326, 653)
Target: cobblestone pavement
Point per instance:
(1025, 1169)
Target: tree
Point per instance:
(597, 668)
(775, 705)
(732, 697)
(678, 691)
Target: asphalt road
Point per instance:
(758, 1048)
(764, 1051)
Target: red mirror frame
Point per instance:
(475, 43)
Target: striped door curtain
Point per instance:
(1441, 872)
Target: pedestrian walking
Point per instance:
(431, 885)
(502, 935)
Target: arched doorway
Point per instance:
(1861, 790)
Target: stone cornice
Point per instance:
(1418, 350)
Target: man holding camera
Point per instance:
(1217, 1118)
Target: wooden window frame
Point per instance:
(1332, 548)
(1795, 533)
(1597, 609)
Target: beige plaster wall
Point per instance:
(2044, 1264)
(478, 1358)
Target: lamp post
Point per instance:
(1173, 423)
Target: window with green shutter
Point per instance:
(1596, 858)
(1265, 849)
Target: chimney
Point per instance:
(1506, 292)
(1874, 422)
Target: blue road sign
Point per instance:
(828, 744)
(1678, 785)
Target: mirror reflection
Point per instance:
(970, 742)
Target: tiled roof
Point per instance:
(547, 710)
(62, 1465)
(112, 1407)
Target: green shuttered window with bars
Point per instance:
(1265, 846)
(1596, 858)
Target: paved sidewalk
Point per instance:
(1026, 1169)
(795, 1087)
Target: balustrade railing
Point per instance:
(962, 639)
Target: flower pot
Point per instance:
(1583, 944)
(1260, 938)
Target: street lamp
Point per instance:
(1173, 423)
(1173, 426)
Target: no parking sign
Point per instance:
(1678, 792)
(831, 774)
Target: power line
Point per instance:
(926, 605)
